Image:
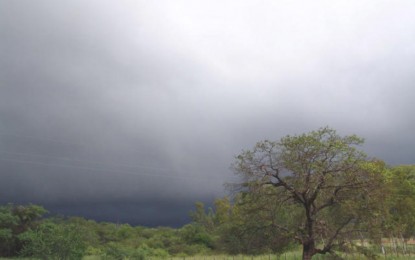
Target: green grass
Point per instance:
(292, 255)
(285, 256)
(295, 255)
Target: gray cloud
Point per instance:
(123, 102)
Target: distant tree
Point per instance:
(329, 186)
(401, 199)
(88, 229)
(16, 220)
(7, 223)
(202, 218)
(53, 241)
(399, 220)
(196, 234)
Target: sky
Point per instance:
(131, 111)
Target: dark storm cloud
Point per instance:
(132, 211)
(143, 105)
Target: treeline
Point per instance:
(245, 225)
(23, 232)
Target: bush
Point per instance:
(54, 241)
(119, 252)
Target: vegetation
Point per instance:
(316, 191)
(330, 188)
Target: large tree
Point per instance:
(327, 184)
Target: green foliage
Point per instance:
(331, 187)
(400, 218)
(117, 251)
(201, 217)
(15, 220)
(196, 234)
(53, 241)
(120, 251)
(238, 228)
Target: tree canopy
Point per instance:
(330, 186)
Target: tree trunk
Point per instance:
(308, 250)
(307, 255)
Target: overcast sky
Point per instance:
(131, 111)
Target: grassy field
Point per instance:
(391, 254)
(285, 256)
(297, 255)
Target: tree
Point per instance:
(329, 186)
(53, 241)
(399, 221)
(201, 217)
(401, 200)
(15, 220)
